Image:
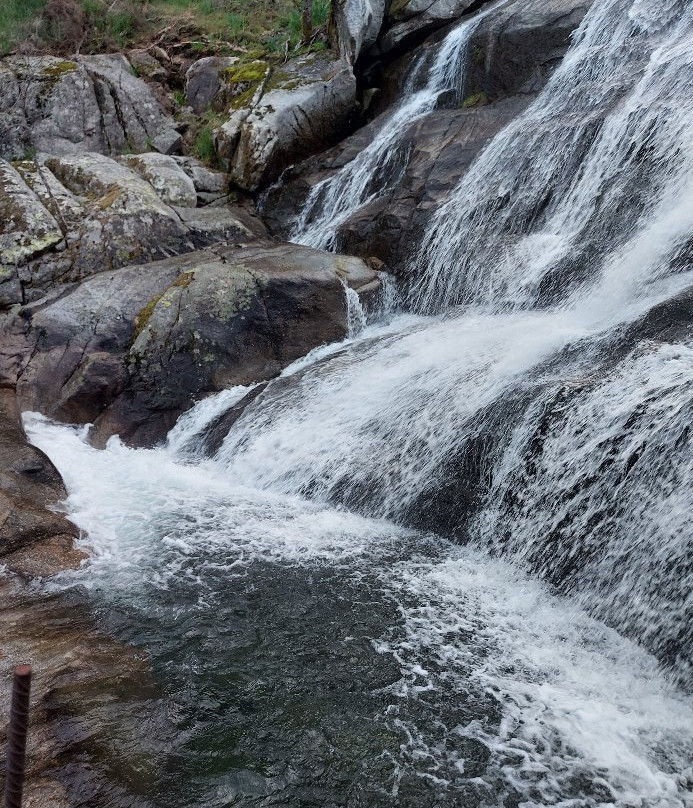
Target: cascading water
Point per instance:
(597, 172)
(437, 401)
(320, 657)
(380, 165)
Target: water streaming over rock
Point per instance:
(595, 177)
(381, 164)
(536, 404)
(428, 414)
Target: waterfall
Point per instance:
(378, 167)
(396, 425)
(491, 488)
(601, 157)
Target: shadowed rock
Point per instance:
(35, 538)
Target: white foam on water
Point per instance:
(577, 699)
(146, 514)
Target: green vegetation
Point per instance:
(16, 17)
(200, 26)
(203, 144)
(203, 147)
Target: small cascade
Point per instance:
(356, 315)
(378, 168)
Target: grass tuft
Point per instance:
(209, 26)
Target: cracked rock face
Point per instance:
(91, 104)
(294, 111)
(131, 350)
(67, 217)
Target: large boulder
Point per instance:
(70, 216)
(283, 114)
(130, 350)
(90, 104)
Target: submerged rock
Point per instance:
(132, 349)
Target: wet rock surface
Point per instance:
(35, 538)
(515, 49)
(81, 680)
(439, 149)
(409, 21)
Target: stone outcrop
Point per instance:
(283, 114)
(67, 217)
(130, 350)
(89, 104)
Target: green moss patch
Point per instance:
(246, 72)
(480, 99)
(59, 69)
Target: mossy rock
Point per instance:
(246, 73)
(479, 99)
(59, 69)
